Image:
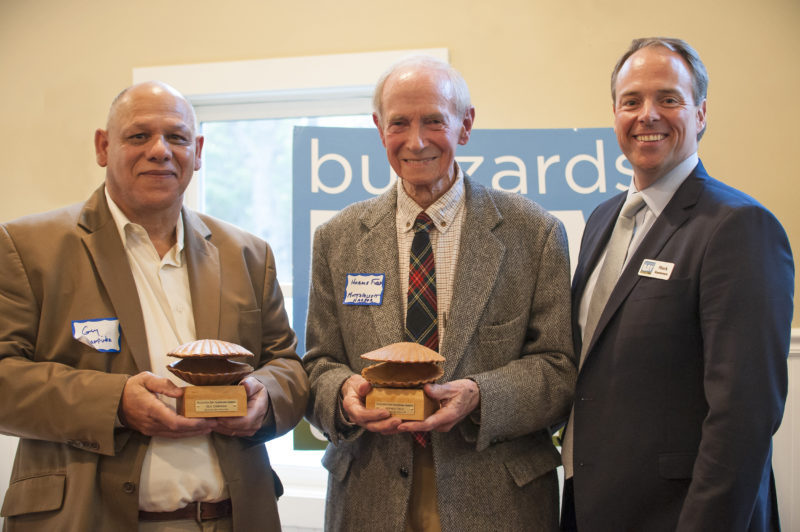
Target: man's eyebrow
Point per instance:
(660, 92)
(146, 126)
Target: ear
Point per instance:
(198, 151)
(466, 126)
(101, 147)
(701, 116)
(377, 123)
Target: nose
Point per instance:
(159, 149)
(415, 140)
(648, 112)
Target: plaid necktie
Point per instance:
(422, 322)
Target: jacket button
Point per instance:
(404, 472)
(129, 487)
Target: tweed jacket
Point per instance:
(508, 330)
(74, 470)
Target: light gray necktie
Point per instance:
(616, 252)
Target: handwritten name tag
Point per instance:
(364, 289)
(102, 334)
(656, 269)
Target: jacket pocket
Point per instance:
(337, 462)
(660, 288)
(532, 460)
(501, 332)
(34, 494)
(676, 466)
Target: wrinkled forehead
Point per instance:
(419, 87)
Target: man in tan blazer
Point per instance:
(91, 298)
(502, 284)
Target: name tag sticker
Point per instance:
(656, 269)
(364, 289)
(102, 334)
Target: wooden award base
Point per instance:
(409, 404)
(212, 401)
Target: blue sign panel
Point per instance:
(567, 171)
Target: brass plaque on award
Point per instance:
(206, 366)
(398, 378)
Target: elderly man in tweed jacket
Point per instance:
(502, 282)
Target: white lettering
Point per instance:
(365, 178)
(598, 162)
(473, 160)
(520, 172)
(317, 161)
(541, 167)
(624, 170)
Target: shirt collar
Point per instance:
(658, 195)
(124, 225)
(442, 212)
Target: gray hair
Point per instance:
(461, 99)
(696, 67)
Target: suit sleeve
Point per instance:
(745, 306)
(326, 358)
(82, 403)
(534, 391)
(282, 372)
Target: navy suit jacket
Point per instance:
(685, 379)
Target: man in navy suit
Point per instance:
(683, 374)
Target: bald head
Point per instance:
(153, 88)
(150, 150)
(455, 87)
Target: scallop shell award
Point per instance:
(398, 378)
(215, 391)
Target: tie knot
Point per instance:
(422, 223)
(632, 206)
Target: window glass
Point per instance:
(246, 179)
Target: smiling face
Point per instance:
(150, 151)
(655, 117)
(420, 131)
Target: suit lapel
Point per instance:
(479, 258)
(105, 248)
(593, 243)
(675, 214)
(202, 260)
(376, 252)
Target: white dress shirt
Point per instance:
(175, 471)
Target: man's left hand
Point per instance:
(257, 406)
(457, 398)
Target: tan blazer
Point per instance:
(73, 469)
(508, 329)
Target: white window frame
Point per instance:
(293, 86)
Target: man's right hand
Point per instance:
(140, 409)
(354, 390)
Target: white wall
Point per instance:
(786, 457)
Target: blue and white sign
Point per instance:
(567, 171)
